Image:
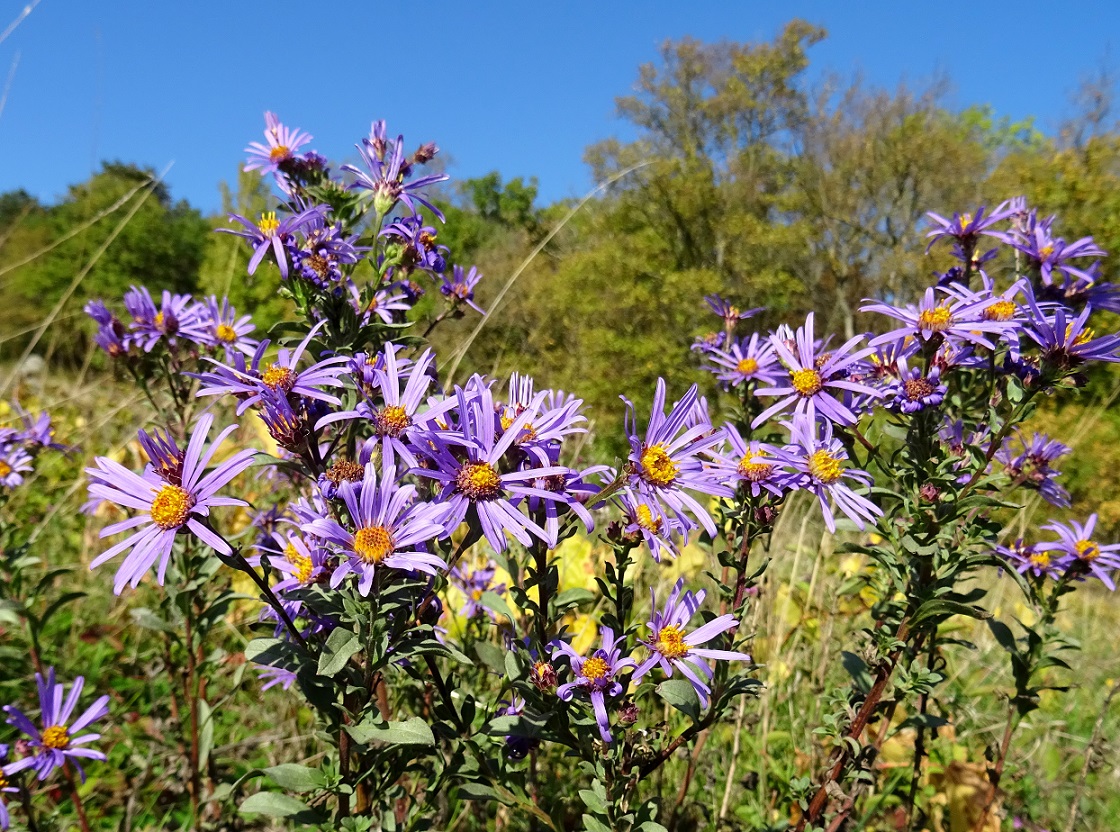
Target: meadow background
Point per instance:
(737, 168)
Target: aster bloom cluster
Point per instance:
(178, 324)
(20, 446)
(62, 738)
(1033, 466)
(1075, 555)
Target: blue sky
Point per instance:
(521, 88)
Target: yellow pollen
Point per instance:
(753, 470)
(670, 642)
(300, 561)
(479, 481)
(3, 780)
(225, 333)
(1040, 560)
(159, 320)
(373, 544)
(170, 507)
(55, 737)
(1001, 310)
(1045, 251)
(937, 319)
(268, 224)
(476, 594)
(806, 382)
(1087, 550)
(5, 468)
(733, 311)
(966, 221)
(746, 366)
(279, 153)
(595, 669)
(506, 420)
(824, 467)
(277, 377)
(658, 467)
(393, 420)
(1083, 337)
(646, 520)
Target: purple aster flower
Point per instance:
(553, 419)
(653, 525)
(1032, 466)
(383, 304)
(573, 491)
(111, 334)
(727, 310)
(273, 676)
(914, 390)
(473, 582)
(391, 529)
(818, 456)
(418, 246)
(965, 229)
(38, 432)
(1024, 558)
(596, 675)
(517, 748)
(812, 378)
(219, 326)
(755, 465)
(1067, 343)
(325, 249)
(1077, 549)
(745, 361)
(471, 478)
(672, 646)
(283, 142)
(271, 234)
(459, 287)
(5, 787)
(666, 462)
(61, 739)
(282, 376)
(399, 416)
(14, 463)
(166, 509)
(963, 315)
(176, 316)
(386, 173)
(1051, 254)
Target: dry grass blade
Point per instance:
(22, 16)
(79, 277)
(496, 302)
(8, 83)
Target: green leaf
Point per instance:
(590, 824)
(206, 732)
(491, 655)
(477, 791)
(414, 731)
(857, 669)
(341, 645)
(267, 651)
(940, 609)
(1003, 635)
(593, 801)
(296, 778)
(276, 805)
(681, 695)
(572, 598)
(496, 603)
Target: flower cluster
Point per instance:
(20, 447)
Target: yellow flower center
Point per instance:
(1087, 550)
(479, 481)
(595, 668)
(937, 319)
(373, 544)
(3, 780)
(753, 470)
(56, 737)
(5, 468)
(1045, 251)
(658, 467)
(1041, 560)
(746, 366)
(824, 467)
(170, 507)
(966, 221)
(278, 378)
(300, 561)
(268, 225)
(279, 153)
(806, 382)
(393, 420)
(670, 642)
(1083, 337)
(225, 333)
(1001, 310)
(319, 264)
(918, 388)
(476, 594)
(645, 519)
